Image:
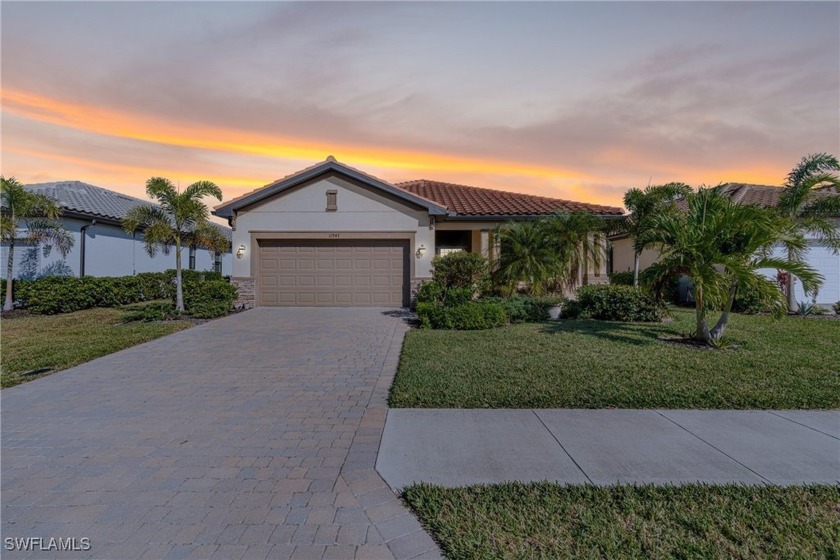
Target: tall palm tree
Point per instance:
(721, 245)
(547, 253)
(35, 216)
(642, 205)
(812, 211)
(180, 219)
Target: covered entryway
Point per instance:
(333, 272)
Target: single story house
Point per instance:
(820, 257)
(101, 247)
(331, 235)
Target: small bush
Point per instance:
(209, 298)
(622, 278)
(526, 309)
(461, 270)
(468, 316)
(615, 303)
(435, 292)
(837, 308)
(748, 302)
(155, 311)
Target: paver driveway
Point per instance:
(253, 436)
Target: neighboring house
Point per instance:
(821, 258)
(101, 247)
(331, 235)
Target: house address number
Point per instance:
(334, 235)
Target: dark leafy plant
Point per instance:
(622, 278)
(467, 316)
(615, 303)
(526, 309)
(461, 269)
(155, 311)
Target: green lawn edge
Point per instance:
(791, 363)
(58, 342)
(547, 520)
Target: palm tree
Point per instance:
(35, 213)
(812, 211)
(180, 219)
(577, 239)
(721, 245)
(547, 253)
(641, 205)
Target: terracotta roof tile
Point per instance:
(464, 200)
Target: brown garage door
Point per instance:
(333, 273)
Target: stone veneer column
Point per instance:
(246, 293)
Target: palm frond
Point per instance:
(49, 233)
(202, 189)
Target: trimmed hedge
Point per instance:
(467, 316)
(608, 302)
(64, 294)
(209, 298)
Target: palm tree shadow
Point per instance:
(637, 334)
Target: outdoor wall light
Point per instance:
(421, 250)
(240, 251)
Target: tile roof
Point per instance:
(89, 200)
(463, 200)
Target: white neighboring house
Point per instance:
(820, 257)
(93, 216)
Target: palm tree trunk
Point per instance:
(635, 269)
(702, 329)
(8, 303)
(179, 289)
(791, 285)
(720, 327)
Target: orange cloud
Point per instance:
(106, 121)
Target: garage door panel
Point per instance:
(333, 272)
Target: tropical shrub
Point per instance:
(547, 255)
(614, 303)
(461, 270)
(467, 316)
(837, 308)
(526, 309)
(435, 292)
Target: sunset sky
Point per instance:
(569, 100)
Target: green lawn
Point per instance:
(790, 363)
(543, 520)
(60, 341)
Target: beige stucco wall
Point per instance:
(623, 256)
(360, 209)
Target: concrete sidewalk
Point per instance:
(460, 447)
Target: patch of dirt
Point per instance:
(14, 314)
